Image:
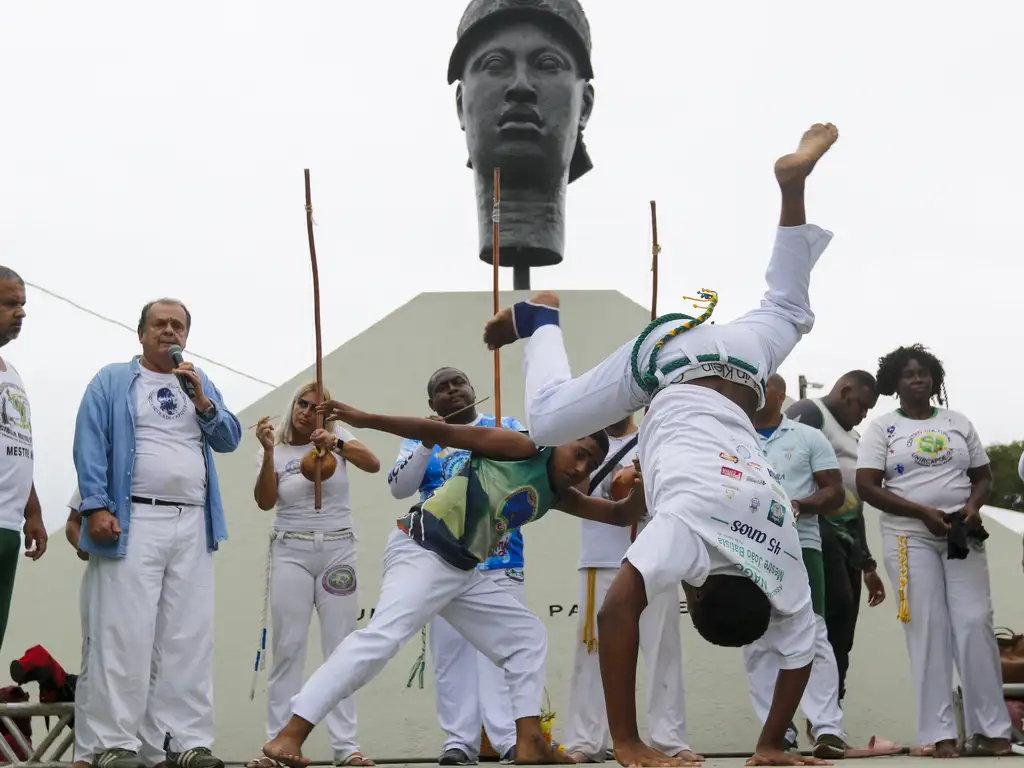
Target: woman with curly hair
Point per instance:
(927, 472)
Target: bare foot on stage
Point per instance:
(533, 749)
(798, 165)
(501, 329)
(285, 750)
(639, 754)
(689, 756)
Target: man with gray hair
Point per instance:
(19, 505)
(152, 519)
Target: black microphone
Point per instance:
(186, 383)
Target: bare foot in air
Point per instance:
(797, 166)
(500, 330)
(285, 750)
(639, 754)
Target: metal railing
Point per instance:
(61, 714)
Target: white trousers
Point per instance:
(306, 575)
(820, 702)
(560, 409)
(950, 622)
(470, 688)
(418, 585)
(586, 722)
(149, 644)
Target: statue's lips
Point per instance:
(519, 129)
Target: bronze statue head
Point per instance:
(523, 101)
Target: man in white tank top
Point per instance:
(602, 547)
(844, 543)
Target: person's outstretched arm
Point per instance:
(492, 442)
(577, 503)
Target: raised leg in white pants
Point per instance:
(181, 702)
(417, 586)
(586, 725)
(307, 574)
(950, 608)
(560, 408)
(157, 601)
(820, 702)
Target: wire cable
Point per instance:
(135, 330)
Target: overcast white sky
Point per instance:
(153, 149)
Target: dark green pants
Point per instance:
(10, 552)
(815, 565)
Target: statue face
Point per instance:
(522, 103)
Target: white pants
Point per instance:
(470, 688)
(149, 646)
(586, 723)
(950, 609)
(418, 585)
(820, 702)
(561, 409)
(306, 575)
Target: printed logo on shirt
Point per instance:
(778, 491)
(756, 467)
(516, 509)
(730, 490)
(900, 469)
(733, 473)
(776, 513)
(890, 430)
(776, 476)
(516, 574)
(168, 402)
(753, 479)
(293, 467)
(339, 580)
(930, 448)
(15, 416)
(788, 454)
(755, 504)
(743, 451)
(726, 457)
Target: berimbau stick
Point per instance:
(317, 481)
(655, 250)
(495, 218)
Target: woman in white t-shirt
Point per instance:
(312, 559)
(917, 465)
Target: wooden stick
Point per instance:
(495, 216)
(467, 407)
(655, 250)
(317, 482)
(253, 426)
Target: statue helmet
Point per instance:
(566, 16)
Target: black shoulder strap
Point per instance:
(612, 463)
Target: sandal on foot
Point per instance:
(355, 759)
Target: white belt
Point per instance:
(313, 536)
(719, 370)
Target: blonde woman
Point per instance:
(312, 560)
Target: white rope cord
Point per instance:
(261, 647)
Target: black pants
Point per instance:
(842, 596)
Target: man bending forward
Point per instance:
(719, 511)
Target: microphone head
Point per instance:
(175, 351)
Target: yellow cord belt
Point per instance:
(589, 624)
(904, 608)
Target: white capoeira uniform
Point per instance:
(469, 688)
(149, 628)
(705, 520)
(945, 605)
(797, 452)
(586, 724)
(312, 566)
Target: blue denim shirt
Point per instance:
(104, 452)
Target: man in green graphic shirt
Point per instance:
(430, 567)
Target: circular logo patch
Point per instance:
(170, 404)
(517, 509)
(339, 580)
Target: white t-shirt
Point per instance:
(169, 460)
(925, 461)
(16, 451)
(296, 495)
(603, 545)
